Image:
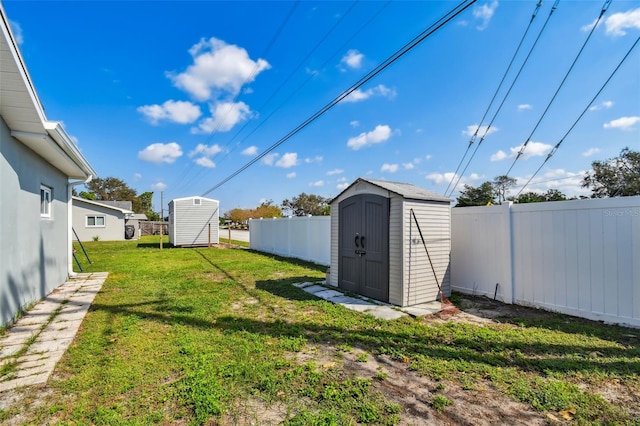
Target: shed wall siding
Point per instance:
(335, 229)
(34, 256)
(396, 255)
(190, 223)
(435, 223)
(114, 223)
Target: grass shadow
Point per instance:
(284, 288)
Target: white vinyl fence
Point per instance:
(577, 257)
(307, 238)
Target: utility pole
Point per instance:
(161, 218)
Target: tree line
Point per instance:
(114, 189)
(615, 177)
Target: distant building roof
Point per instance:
(101, 204)
(127, 205)
(138, 216)
(405, 190)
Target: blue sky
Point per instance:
(177, 96)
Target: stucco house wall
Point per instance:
(35, 153)
(114, 221)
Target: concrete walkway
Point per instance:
(37, 341)
(377, 309)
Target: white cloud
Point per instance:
(205, 150)
(622, 123)
(217, 67)
(205, 162)
(361, 95)
(352, 59)
(482, 130)
(224, 115)
(316, 159)
(391, 168)
(317, 184)
(617, 23)
(428, 157)
(159, 186)
(380, 134)
(289, 159)
(177, 111)
(354, 123)
(450, 178)
(137, 177)
(590, 152)
(252, 150)
(342, 186)
(291, 175)
(16, 29)
(341, 179)
(161, 153)
(408, 166)
(484, 13)
(269, 159)
(523, 107)
(602, 105)
(533, 149)
(498, 156)
(335, 172)
(440, 178)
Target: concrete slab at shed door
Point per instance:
(364, 246)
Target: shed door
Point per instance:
(364, 246)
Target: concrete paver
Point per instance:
(54, 322)
(377, 309)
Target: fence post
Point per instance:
(508, 284)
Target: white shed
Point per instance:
(376, 245)
(193, 221)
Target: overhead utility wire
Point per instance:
(504, 76)
(304, 83)
(555, 148)
(605, 6)
(267, 49)
(464, 5)
(506, 95)
(255, 69)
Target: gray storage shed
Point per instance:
(376, 248)
(193, 221)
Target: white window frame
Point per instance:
(197, 201)
(95, 221)
(45, 201)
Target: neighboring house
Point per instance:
(193, 221)
(38, 160)
(94, 220)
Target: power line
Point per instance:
(595, 25)
(504, 76)
(304, 83)
(557, 146)
(267, 49)
(504, 99)
(465, 4)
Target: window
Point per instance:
(45, 201)
(95, 221)
(196, 201)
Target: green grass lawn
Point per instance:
(220, 336)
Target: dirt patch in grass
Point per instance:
(416, 394)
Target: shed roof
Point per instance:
(192, 198)
(405, 190)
